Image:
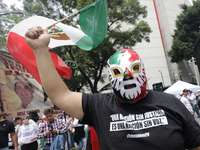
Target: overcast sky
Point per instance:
(19, 4)
(10, 2)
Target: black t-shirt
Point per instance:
(157, 122)
(6, 127)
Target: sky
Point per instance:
(19, 4)
(10, 2)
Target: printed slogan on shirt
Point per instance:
(138, 121)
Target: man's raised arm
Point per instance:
(58, 92)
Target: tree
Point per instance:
(9, 17)
(91, 63)
(186, 33)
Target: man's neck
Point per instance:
(1, 119)
(52, 121)
(25, 105)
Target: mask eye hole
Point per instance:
(116, 71)
(136, 68)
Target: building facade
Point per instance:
(161, 18)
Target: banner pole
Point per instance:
(62, 19)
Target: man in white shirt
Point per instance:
(194, 103)
(186, 101)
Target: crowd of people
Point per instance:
(53, 133)
(130, 118)
(191, 101)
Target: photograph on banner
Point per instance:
(20, 92)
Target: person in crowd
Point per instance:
(86, 129)
(88, 137)
(18, 122)
(42, 140)
(69, 134)
(24, 89)
(131, 118)
(79, 134)
(50, 128)
(184, 99)
(57, 116)
(6, 128)
(194, 103)
(198, 98)
(42, 120)
(27, 135)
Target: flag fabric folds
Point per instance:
(93, 21)
(18, 47)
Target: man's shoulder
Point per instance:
(8, 122)
(161, 94)
(183, 98)
(43, 124)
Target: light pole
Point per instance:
(195, 69)
(174, 76)
(162, 77)
(189, 76)
(179, 73)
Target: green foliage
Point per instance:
(186, 33)
(90, 64)
(7, 21)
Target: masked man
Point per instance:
(131, 118)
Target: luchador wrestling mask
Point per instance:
(126, 63)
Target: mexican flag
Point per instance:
(18, 47)
(93, 21)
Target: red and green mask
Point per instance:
(124, 63)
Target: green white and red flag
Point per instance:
(93, 23)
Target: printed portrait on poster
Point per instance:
(20, 92)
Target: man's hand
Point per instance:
(54, 131)
(37, 38)
(48, 132)
(20, 144)
(33, 138)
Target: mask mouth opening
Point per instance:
(129, 86)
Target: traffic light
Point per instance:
(158, 87)
(70, 64)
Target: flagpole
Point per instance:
(62, 19)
